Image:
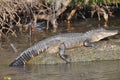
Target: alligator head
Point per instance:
(98, 34)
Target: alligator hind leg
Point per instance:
(62, 53)
(87, 43)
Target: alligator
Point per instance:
(62, 42)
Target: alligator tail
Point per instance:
(24, 57)
(33, 51)
(27, 55)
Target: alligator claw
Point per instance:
(66, 58)
(87, 43)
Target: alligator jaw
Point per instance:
(101, 34)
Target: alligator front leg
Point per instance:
(87, 43)
(62, 53)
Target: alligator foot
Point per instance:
(62, 53)
(87, 43)
(66, 58)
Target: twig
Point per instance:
(13, 47)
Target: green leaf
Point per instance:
(7, 78)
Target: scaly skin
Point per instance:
(61, 43)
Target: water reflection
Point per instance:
(102, 70)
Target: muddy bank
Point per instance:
(107, 50)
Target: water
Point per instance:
(102, 70)
(97, 70)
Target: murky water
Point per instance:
(97, 70)
(103, 70)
